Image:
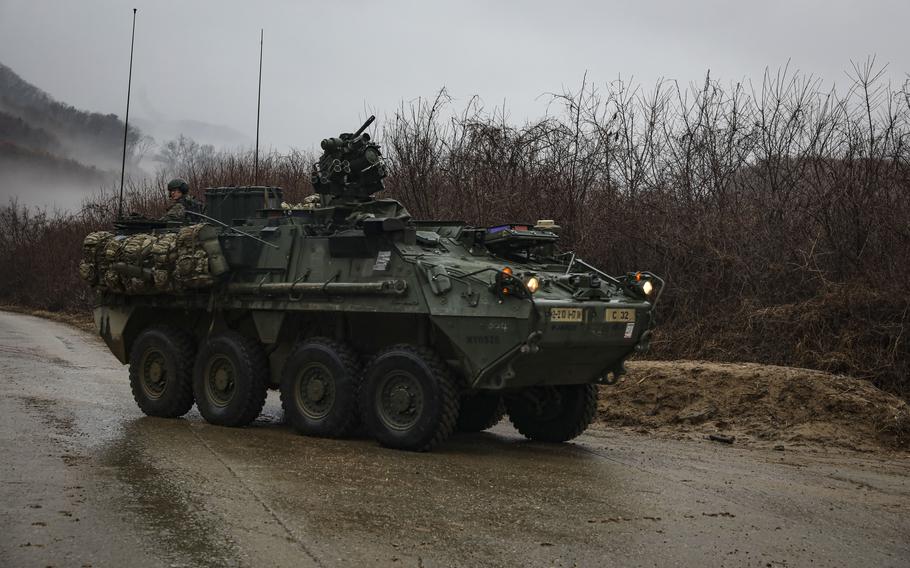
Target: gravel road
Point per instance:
(87, 480)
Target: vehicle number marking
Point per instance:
(382, 260)
(502, 326)
(566, 314)
(620, 316)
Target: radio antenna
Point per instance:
(126, 121)
(258, 102)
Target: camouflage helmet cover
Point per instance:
(179, 185)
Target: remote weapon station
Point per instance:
(361, 315)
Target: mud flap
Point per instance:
(110, 322)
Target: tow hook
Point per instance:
(531, 343)
(611, 376)
(644, 343)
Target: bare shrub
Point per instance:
(39, 257)
(753, 200)
(777, 211)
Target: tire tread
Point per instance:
(183, 345)
(350, 360)
(563, 428)
(252, 357)
(447, 392)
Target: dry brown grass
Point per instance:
(80, 320)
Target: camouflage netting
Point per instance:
(146, 263)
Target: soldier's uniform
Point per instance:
(177, 210)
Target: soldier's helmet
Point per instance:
(178, 184)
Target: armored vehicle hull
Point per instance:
(360, 315)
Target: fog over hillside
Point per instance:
(54, 155)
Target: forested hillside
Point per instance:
(31, 118)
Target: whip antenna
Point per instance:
(126, 121)
(258, 102)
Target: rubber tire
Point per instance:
(178, 350)
(250, 389)
(439, 400)
(480, 411)
(341, 361)
(569, 418)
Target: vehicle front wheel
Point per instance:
(229, 380)
(319, 387)
(479, 411)
(161, 365)
(553, 414)
(408, 399)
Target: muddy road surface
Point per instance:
(87, 480)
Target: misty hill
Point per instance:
(51, 153)
(31, 118)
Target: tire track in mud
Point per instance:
(172, 519)
(271, 512)
(37, 355)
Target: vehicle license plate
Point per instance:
(566, 314)
(619, 316)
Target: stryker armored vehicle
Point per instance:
(360, 314)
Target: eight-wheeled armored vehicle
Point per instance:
(360, 314)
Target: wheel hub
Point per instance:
(221, 379)
(219, 384)
(400, 399)
(153, 374)
(156, 373)
(315, 389)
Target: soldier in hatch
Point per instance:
(178, 192)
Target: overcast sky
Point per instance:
(328, 63)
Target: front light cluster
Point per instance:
(508, 284)
(644, 284)
(647, 287)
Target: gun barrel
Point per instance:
(365, 125)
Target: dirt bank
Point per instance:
(758, 405)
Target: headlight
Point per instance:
(647, 287)
(533, 284)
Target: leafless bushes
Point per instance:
(39, 256)
(778, 211)
(203, 167)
